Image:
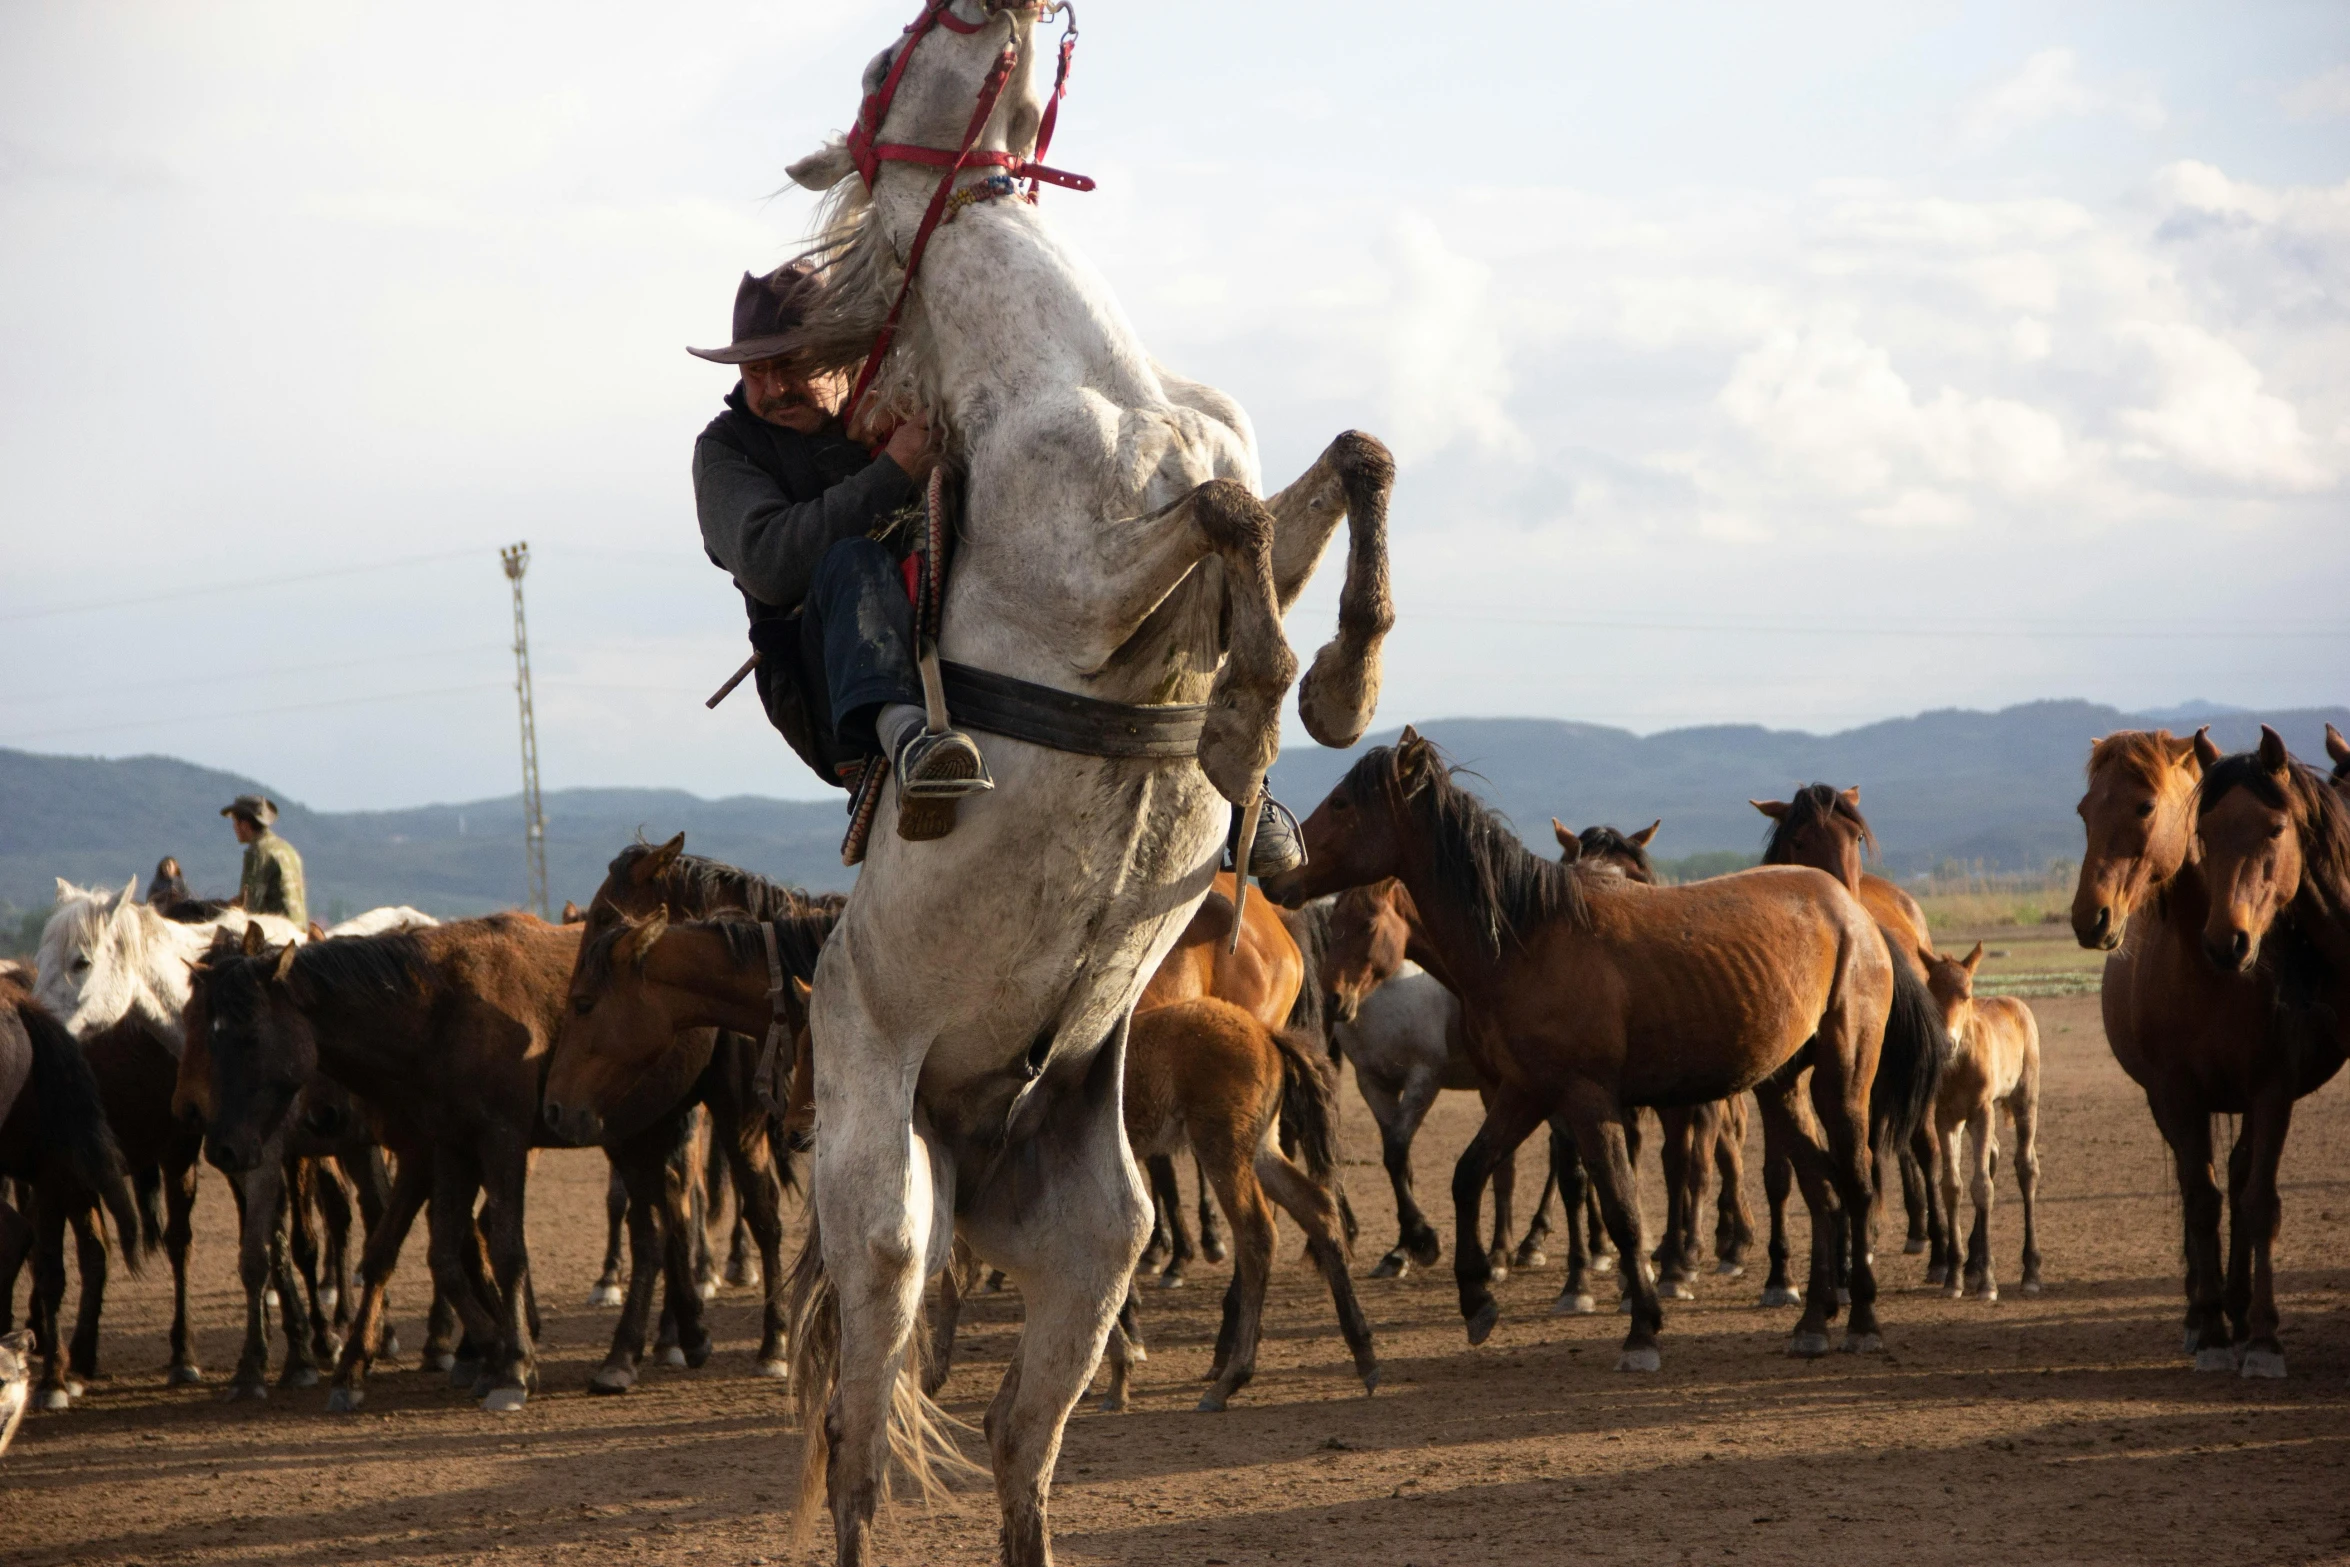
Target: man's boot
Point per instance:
(1278, 847)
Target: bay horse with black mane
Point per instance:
(1822, 827)
(2276, 863)
(2200, 1039)
(1587, 994)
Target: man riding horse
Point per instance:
(813, 528)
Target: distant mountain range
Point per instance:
(1995, 788)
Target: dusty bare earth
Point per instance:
(2063, 1428)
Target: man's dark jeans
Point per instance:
(857, 631)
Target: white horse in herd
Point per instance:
(970, 1012)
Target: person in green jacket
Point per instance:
(272, 883)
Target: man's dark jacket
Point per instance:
(771, 502)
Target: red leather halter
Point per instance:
(869, 155)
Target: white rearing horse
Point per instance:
(105, 956)
(970, 1011)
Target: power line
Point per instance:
(1833, 629)
(227, 677)
(232, 587)
(257, 712)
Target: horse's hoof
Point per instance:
(1780, 1295)
(1212, 1248)
(1425, 1253)
(742, 1275)
(1112, 1404)
(2262, 1363)
(299, 1376)
(504, 1400)
(2222, 1359)
(1481, 1323)
(698, 1355)
(1568, 1305)
(1937, 1275)
(1679, 1290)
(1624, 1304)
(246, 1392)
(2188, 1347)
(344, 1400)
(1530, 1257)
(707, 1289)
(1990, 1294)
(441, 1360)
(1171, 1281)
(1808, 1346)
(185, 1375)
(1864, 1343)
(611, 1379)
(773, 1370)
(606, 1295)
(1643, 1359)
(329, 1298)
(1211, 1403)
(1497, 1269)
(53, 1400)
(1370, 1381)
(672, 1357)
(1603, 1264)
(1915, 1245)
(1953, 1292)
(389, 1349)
(1729, 1270)
(2031, 1286)
(269, 1300)
(1392, 1266)
(1843, 1296)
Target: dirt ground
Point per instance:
(2062, 1428)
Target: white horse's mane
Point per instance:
(862, 274)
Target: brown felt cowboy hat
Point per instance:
(767, 310)
(254, 808)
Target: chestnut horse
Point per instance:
(1822, 827)
(2276, 863)
(1586, 994)
(1205, 1074)
(2199, 1041)
(1995, 1065)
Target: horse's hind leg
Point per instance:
(1123, 1350)
(2023, 1106)
(1843, 1062)
(1167, 1205)
(179, 1229)
(307, 1249)
(1566, 1158)
(1317, 1215)
(56, 1389)
(2258, 1211)
(1946, 1269)
(1983, 1149)
(1734, 1221)
(1778, 1185)
(1787, 1137)
(1505, 1190)
(1399, 1115)
(381, 1255)
(1531, 1253)
(607, 1290)
(89, 1252)
(686, 1342)
(618, 1373)
(1211, 1239)
(1677, 1148)
(1221, 1152)
(758, 1198)
(333, 1206)
(1599, 1132)
(512, 1371)
(258, 1194)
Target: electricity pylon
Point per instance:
(534, 819)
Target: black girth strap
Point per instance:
(1064, 721)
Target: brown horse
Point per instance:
(2276, 863)
(54, 1140)
(1206, 1074)
(2199, 1041)
(1822, 827)
(444, 1032)
(1264, 975)
(1995, 1066)
(1586, 994)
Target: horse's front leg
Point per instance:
(1351, 480)
(505, 1176)
(1509, 1119)
(1071, 1248)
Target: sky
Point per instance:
(1803, 365)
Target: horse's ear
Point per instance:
(253, 944)
(571, 913)
(1412, 761)
(638, 946)
(1851, 797)
(801, 990)
(2337, 747)
(823, 168)
(1647, 834)
(316, 931)
(658, 861)
(2273, 754)
(285, 963)
(66, 889)
(1570, 846)
(1776, 810)
(2206, 754)
(130, 894)
(1972, 960)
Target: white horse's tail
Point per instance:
(921, 1435)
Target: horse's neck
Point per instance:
(1447, 940)
(703, 988)
(371, 1039)
(160, 985)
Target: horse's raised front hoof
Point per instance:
(612, 1379)
(2263, 1363)
(1529, 1257)
(185, 1374)
(1780, 1295)
(345, 1400)
(464, 1373)
(1864, 1343)
(1573, 1304)
(1729, 1270)
(1915, 1245)
(1481, 1321)
(1808, 1346)
(504, 1400)
(673, 1357)
(2221, 1359)
(777, 1370)
(1644, 1358)
(606, 1295)
(1392, 1266)
(298, 1376)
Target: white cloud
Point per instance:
(2048, 86)
(2211, 416)
(2325, 96)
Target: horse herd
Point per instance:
(399, 1066)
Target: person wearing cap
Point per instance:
(272, 883)
(802, 517)
(800, 514)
